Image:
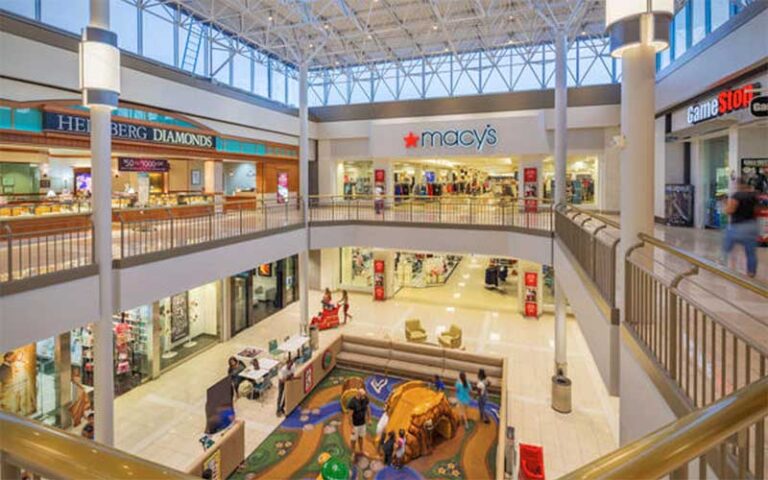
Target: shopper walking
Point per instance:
(344, 302)
(389, 448)
(285, 374)
(742, 228)
(463, 398)
(482, 394)
(361, 415)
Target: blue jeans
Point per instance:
(481, 406)
(744, 233)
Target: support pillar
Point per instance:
(561, 350)
(638, 87)
(62, 385)
(303, 193)
(561, 156)
(561, 115)
(101, 103)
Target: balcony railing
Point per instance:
(153, 230)
(528, 214)
(592, 240)
(35, 246)
(44, 245)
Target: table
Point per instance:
(247, 354)
(294, 343)
(265, 367)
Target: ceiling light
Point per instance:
(434, 27)
(269, 18)
(370, 36)
(311, 45)
(511, 18)
(326, 26)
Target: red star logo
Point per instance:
(411, 140)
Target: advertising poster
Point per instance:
(282, 187)
(18, 381)
(531, 189)
(531, 282)
(754, 171)
(179, 320)
(380, 188)
(678, 201)
(378, 280)
(309, 378)
(213, 463)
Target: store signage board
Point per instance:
(76, 124)
(759, 106)
(469, 138)
(725, 102)
(150, 165)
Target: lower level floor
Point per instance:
(163, 420)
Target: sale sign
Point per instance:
(531, 189)
(378, 280)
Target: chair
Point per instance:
(414, 332)
(451, 338)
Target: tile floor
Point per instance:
(163, 419)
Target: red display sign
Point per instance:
(378, 266)
(531, 309)
(153, 165)
(379, 175)
(530, 174)
(531, 189)
(531, 279)
(378, 294)
(378, 280)
(735, 99)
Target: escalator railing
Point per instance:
(37, 450)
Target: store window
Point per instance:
(357, 179)
(679, 41)
(714, 153)
(721, 11)
(420, 270)
(698, 20)
(239, 177)
(356, 267)
(581, 175)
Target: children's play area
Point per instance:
(314, 440)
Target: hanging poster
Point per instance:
(378, 280)
(678, 200)
(18, 381)
(531, 282)
(380, 189)
(179, 319)
(282, 187)
(531, 188)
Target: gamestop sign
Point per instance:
(475, 139)
(725, 102)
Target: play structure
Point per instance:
(327, 318)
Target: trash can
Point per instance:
(314, 337)
(561, 394)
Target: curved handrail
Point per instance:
(679, 442)
(54, 453)
(708, 265)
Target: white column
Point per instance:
(733, 157)
(561, 350)
(637, 127)
(101, 173)
(304, 192)
(561, 156)
(561, 114)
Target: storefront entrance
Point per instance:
(257, 294)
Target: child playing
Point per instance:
(400, 451)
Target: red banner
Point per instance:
(379, 175)
(531, 279)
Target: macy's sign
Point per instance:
(453, 138)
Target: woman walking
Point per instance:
(345, 303)
(462, 395)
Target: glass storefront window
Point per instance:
(720, 12)
(419, 270)
(715, 158)
(581, 174)
(356, 178)
(133, 348)
(357, 267)
(189, 322)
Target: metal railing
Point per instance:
(715, 441)
(707, 343)
(46, 245)
(38, 451)
(533, 214)
(593, 241)
(152, 230)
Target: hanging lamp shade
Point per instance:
(638, 22)
(99, 67)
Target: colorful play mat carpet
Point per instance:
(318, 426)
